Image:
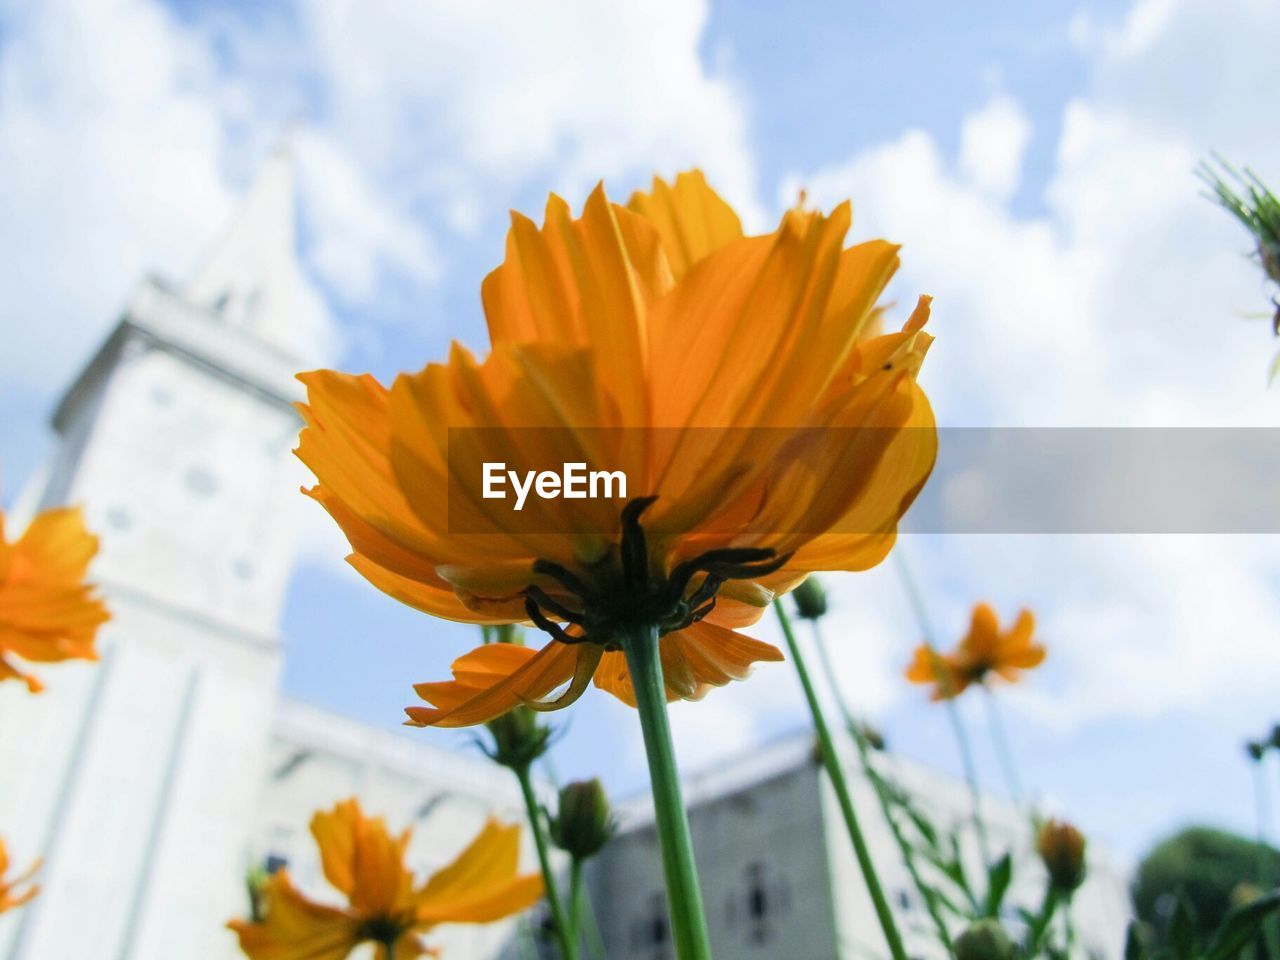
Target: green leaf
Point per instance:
(1135, 944)
(999, 876)
(1241, 927)
(1182, 931)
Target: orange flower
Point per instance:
(47, 611)
(983, 651)
(10, 896)
(765, 428)
(365, 863)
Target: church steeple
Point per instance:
(251, 277)
(146, 770)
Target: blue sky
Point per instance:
(1035, 159)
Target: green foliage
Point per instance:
(1184, 887)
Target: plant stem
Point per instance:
(684, 899)
(1012, 781)
(564, 933)
(831, 760)
(585, 921)
(391, 949)
(953, 711)
(882, 790)
(575, 894)
(1266, 877)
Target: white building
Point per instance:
(778, 873)
(152, 780)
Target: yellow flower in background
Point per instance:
(17, 890)
(385, 905)
(47, 612)
(984, 650)
(766, 428)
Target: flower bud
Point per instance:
(811, 599)
(872, 736)
(984, 940)
(584, 823)
(1255, 749)
(518, 738)
(1061, 848)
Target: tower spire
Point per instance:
(251, 277)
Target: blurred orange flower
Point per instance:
(984, 650)
(1062, 850)
(662, 323)
(384, 906)
(10, 896)
(47, 611)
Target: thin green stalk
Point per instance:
(1266, 878)
(835, 774)
(588, 928)
(575, 894)
(1040, 924)
(1001, 742)
(953, 710)
(882, 792)
(684, 899)
(391, 949)
(564, 933)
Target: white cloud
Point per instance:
(486, 93)
(1118, 304)
(992, 144)
(105, 172)
(358, 236)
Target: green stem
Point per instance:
(953, 710)
(1038, 926)
(883, 792)
(1266, 878)
(564, 933)
(391, 949)
(1012, 780)
(575, 894)
(684, 899)
(835, 774)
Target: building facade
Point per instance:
(779, 876)
(153, 780)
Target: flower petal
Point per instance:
(491, 680)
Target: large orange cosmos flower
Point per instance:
(765, 427)
(385, 906)
(10, 894)
(47, 611)
(983, 651)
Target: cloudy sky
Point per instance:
(1036, 163)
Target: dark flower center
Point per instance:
(624, 592)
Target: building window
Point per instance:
(763, 898)
(651, 933)
(201, 482)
